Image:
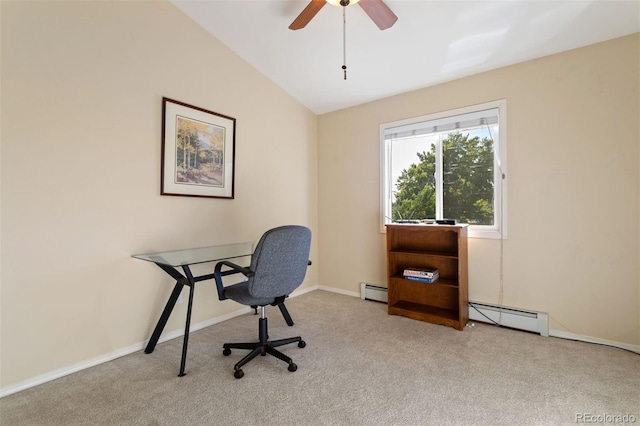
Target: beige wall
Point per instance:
(82, 84)
(573, 135)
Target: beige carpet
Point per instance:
(360, 367)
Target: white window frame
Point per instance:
(496, 231)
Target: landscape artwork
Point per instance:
(198, 150)
(199, 153)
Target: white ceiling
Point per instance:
(432, 41)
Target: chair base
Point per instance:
(263, 347)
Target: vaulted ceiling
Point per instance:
(432, 41)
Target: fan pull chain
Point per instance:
(344, 41)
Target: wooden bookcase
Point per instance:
(445, 301)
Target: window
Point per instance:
(450, 165)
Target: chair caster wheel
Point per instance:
(302, 344)
(226, 352)
(238, 374)
(293, 367)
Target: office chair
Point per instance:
(278, 266)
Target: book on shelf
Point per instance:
(422, 279)
(424, 272)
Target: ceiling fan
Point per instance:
(379, 12)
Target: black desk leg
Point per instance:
(185, 342)
(163, 318)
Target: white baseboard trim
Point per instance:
(301, 291)
(65, 371)
(552, 333)
(74, 368)
(339, 291)
(588, 339)
(82, 365)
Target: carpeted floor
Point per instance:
(360, 367)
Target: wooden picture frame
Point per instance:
(198, 151)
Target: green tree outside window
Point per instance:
(468, 188)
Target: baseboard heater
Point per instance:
(535, 322)
(373, 292)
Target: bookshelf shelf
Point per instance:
(440, 282)
(444, 247)
(419, 311)
(426, 253)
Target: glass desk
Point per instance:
(171, 262)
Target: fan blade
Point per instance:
(379, 13)
(307, 14)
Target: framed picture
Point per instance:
(198, 151)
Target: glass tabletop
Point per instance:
(198, 255)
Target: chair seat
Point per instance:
(240, 293)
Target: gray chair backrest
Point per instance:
(280, 261)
